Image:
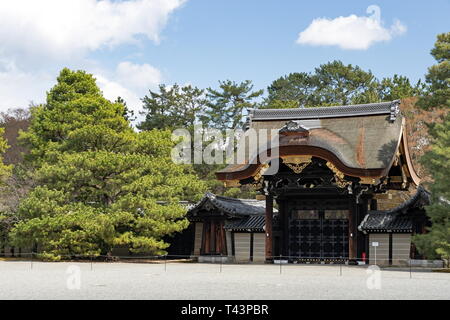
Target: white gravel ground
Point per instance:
(21, 280)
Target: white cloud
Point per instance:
(130, 82)
(67, 28)
(113, 89)
(39, 37)
(351, 32)
(19, 88)
(138, 76)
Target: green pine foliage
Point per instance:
(436, 243)
(335, 83)
(224, 108)
(228, 104)
(100, 184)
(172, 107)
(437, 93)
(5, 170)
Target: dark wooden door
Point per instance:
(316, 236)
(213, 240)
(334, 238)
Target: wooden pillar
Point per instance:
(361, 237)
(206, 238)
(284, 211)
(213, 246)
(268, 227)
(390, 248)
(224, 240)
(352, 232)
(373, 204)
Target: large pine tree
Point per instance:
(99, 183)
(437, 160)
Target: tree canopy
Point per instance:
(182, 107)
(335, 83)
(172, 107)
(4, 169)
(437, 94)
(100, 184)
(437, 159)
(226, 105)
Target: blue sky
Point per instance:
(131, 46)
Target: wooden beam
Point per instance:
(396, 179)
(383, 196)
(268, 227)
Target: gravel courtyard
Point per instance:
(23, 280)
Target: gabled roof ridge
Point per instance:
(377, 108)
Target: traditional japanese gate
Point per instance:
(322, 159)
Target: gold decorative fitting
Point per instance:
(296, 163)
(257, 184)
(297, 167)
(232, 183)
(296, 159)
(368, 180)
(342, 183)
(261, 171)
(339, 176)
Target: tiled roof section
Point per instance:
(253, 223)
(397, 219)
(231, 206)
(381, 221)
(421, 198)
(390, 108)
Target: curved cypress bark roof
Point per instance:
(359, 140)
